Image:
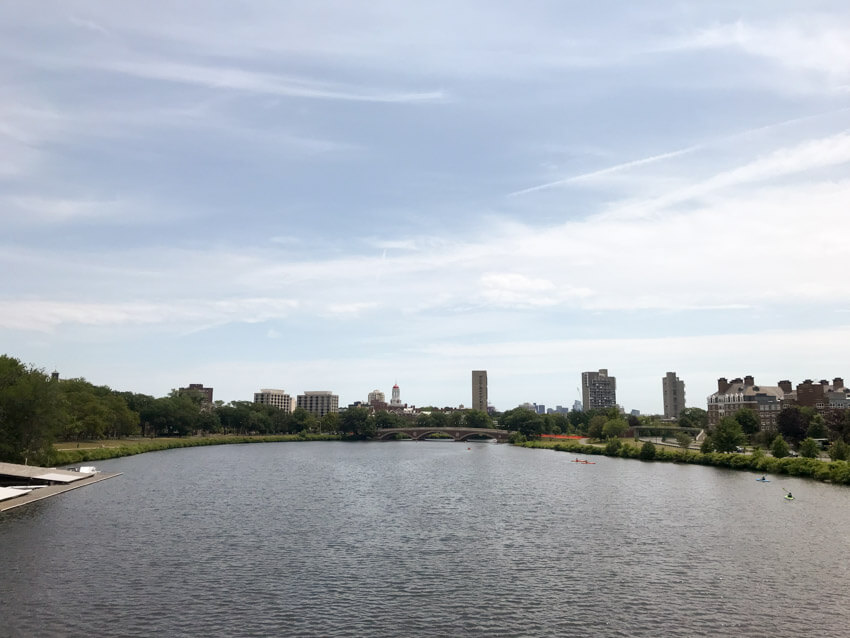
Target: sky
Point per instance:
(346, 195)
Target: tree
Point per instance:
(707, 445)
(817, 427)
(478, 419)
(683, 439)
(693, 418)
(748, 420)
(524, 421)
(596, 426)
(357, 422)
(330, 422)
(647, 451)
(839, 450)
(779, 448)
(384, 419)
(790, 424)
(809, 448)
(614, 428)
(30, 412)
(727, 436)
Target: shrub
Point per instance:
(779, 448)
(612, 447)
(647, 451)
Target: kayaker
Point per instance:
(790, 495)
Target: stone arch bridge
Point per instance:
(457, 434)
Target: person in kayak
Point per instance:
(789, 495)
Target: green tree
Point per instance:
(809, 448)
(693, 418)
(748, 420)
(357, 422)
(647, 451)
(478, 419)
(839, 450)
(526, 422)
(727, 436)
(817, 427)
(612, 446)
(30, 412)
(707, 445)
(791, 424)
(779, 448)
(683, 439)
(614, 428)
(384, 419)
(329, 423)
(596, 426)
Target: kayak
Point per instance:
(789, 498)
(763, 480)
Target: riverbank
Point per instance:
(828, 471)
(69, 453)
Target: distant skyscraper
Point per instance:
(479, 390)
(396, 400)
(206, 393)
(674, 395)
(598, 390)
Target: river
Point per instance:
(332, 539)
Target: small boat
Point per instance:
(788, 497)
(763, 480)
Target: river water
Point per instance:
(424, 539)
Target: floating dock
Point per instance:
(22, 484)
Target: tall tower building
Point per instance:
(376, 396)
(598, 390)
(674, 395)
(479, 390)
(396, 400)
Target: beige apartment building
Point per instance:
(673, 390)
(276, 398)
(318, 402)
(479, 390)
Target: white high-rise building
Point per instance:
(479, 390)
(396, 400)
(276, 398)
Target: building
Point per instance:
(276, 398)
(577, 406)
(318, 402)
(673, 390)
(598, 390)
(206, 393)
(395, 402)
(376, 396)
(479, 390)
(766, 401)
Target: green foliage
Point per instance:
(809, 449)
(727, 435)
(748, 420)
(779, 448)
(683, 439)
(596, 426)
(693, 418)
(791, 424)
(357, 423)
(612, 446)
(614, 428)
(30, 412)
(817, 428)
(707, 445)
(478, 419)
(524, 421)
(839, 450)
(648, 451)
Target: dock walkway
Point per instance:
(44, 481)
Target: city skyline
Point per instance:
(327, 195)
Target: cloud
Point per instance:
(232, 78)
